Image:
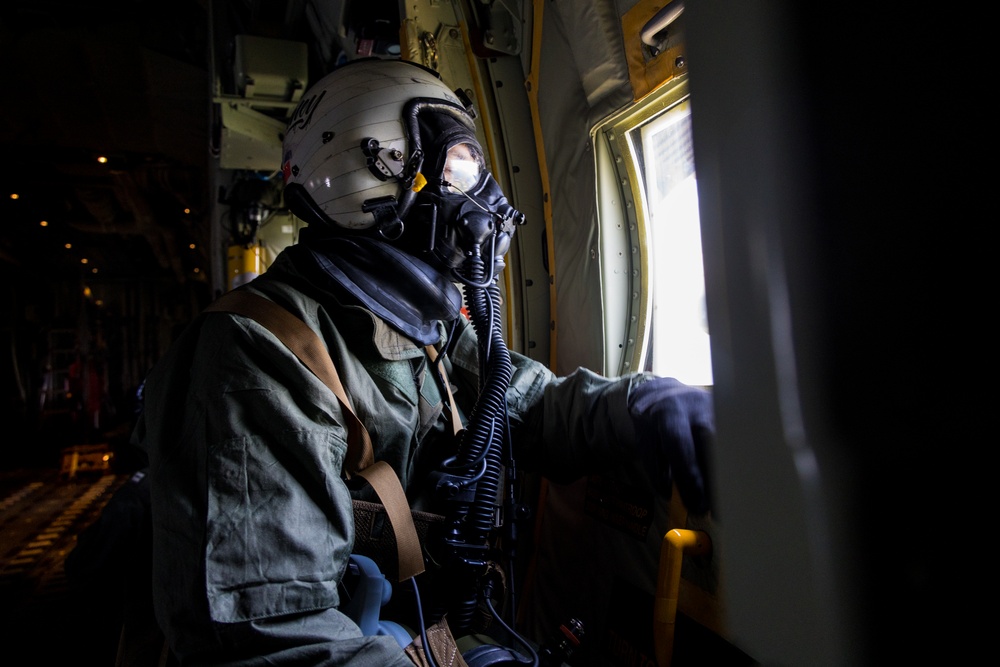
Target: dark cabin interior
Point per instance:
(904, 220)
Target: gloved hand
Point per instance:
(675, 426)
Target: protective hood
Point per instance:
(440, 131)
(406, 292)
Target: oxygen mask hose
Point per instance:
(470, 228)
(489, 415)
(478, 466)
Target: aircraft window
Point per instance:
(679, 329)
(651, 241)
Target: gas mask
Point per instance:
(461, 213)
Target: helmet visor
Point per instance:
(463, 166)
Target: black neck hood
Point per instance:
(409, 294)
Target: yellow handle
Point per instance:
(675, 544)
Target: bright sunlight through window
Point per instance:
(680, 338)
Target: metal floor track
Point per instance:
(42, 616)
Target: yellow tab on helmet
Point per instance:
(418, 182)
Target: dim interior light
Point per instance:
(14, 195)
(102, 159)
(191, 246)
(84, 260)
(68, 246)
(44, 223)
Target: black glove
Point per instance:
(674, 427)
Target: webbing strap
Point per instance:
(456, 418)
(360, 459)
(308, 347)
(383, 479)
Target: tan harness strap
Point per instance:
(456, 418)
(360, 459)
(386, 484)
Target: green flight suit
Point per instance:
(252, 520)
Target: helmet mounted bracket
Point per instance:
(383, 210)
(378, 159)
(386, 210)
(466, 102)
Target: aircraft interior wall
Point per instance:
(835, 213)
(582, 77)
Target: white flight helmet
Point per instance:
(351, 154)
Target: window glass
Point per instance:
(679, 345)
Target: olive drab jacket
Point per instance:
(252, 519)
